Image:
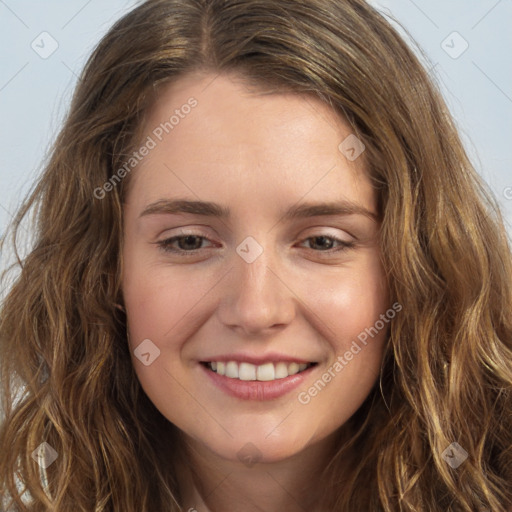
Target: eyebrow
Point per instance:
(301, 211)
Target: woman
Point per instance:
(258, 369)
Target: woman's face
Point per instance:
(277, 267)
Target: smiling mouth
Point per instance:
(250, 372)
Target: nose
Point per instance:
(257, 300)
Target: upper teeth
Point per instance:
(265, 372)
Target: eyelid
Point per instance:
(164, 245)
(333, 232)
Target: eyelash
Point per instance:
(164, 245)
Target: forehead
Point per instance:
(236, 138)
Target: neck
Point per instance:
(210, 483)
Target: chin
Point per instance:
(252, 449)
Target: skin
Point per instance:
(257, 154)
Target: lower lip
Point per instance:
(258, 390)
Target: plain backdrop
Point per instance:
(44, 45)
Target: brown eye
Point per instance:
(325, 243)
(186, 243)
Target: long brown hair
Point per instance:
(447, 370)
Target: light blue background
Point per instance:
(35, 92)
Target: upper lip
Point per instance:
(257, 359)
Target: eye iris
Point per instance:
(189, 239)
(324, 238)
(188, 243)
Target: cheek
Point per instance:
(353, 313)
(170, 305)
(161, 306)
(350, 301)
(158, 299)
